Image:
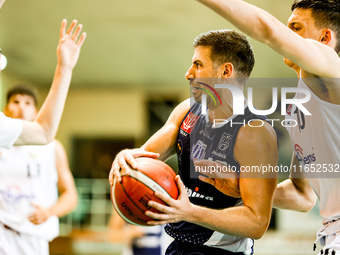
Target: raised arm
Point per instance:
(295, 193)
(161, 145)
(44, 128)
(310, 55)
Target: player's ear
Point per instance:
(227, 70)
(327, 36)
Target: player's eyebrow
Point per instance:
(196, 61)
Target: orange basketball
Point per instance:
(130, 197)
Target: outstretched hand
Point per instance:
(220, 176)
(69, 46)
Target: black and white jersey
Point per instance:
(200, 139)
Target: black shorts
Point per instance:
(180, 248)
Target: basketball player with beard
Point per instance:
(203, 220)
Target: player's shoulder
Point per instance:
(58, 146)
(257, 133)
(185, 105)
(58, 143)
(256, 144)
(179, 112)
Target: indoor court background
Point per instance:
(129, 77)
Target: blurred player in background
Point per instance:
(310, 45)
(30, 178)
(44, 127)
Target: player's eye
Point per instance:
(295, 27)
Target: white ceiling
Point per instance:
(130, 42)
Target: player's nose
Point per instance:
(21, 106)
(190, 74)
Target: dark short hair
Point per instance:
(326, 14)
(228, 46)
(23, 90)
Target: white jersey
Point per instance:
(316, 142)
(10, 130)
(28, 176)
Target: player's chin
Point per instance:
(197, 97)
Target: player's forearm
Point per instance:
(288, 196)
(66, 203)
(265, 28)
(44, 128)
(239, 221)
(250, 19)
(1, 3)
(50, 114)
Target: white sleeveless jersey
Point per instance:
(28, 175)
(10, 130)
(316, 142)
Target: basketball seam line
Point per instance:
(161, 164)
(129, 196)
(145, 179)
